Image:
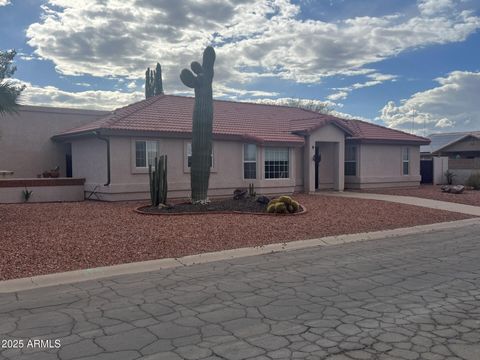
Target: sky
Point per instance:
(412, 65)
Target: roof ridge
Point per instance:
(251, 103)
(135, 107)
(384, 127)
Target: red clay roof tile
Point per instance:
(257, 122)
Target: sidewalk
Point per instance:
(410, 200)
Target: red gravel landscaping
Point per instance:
(46, 238)
(469, 197)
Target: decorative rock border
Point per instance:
(233, 212)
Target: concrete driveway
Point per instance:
(405, 298)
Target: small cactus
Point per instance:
(158, 182)
(283, 205)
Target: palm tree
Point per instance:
(8, 97)
(9, 92)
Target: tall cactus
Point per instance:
(202, 124)
(158, 181)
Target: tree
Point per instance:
(9, 92)
(153, 82)
(202, 123)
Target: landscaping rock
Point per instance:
(239, 194)
(453, 189)
(263, 200)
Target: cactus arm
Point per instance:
(188, 79)
(196, 67)
(208, 61)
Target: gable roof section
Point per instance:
(262, 123)
(441, 141)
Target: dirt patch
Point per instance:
(433, 192)
(46, 238)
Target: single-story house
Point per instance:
(279, 149)
(460, 149)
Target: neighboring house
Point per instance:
(273, 147)
(26, 147)
(462, 150)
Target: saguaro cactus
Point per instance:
(202, 123)
(158, 181)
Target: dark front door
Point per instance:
(317, 163)
(426, 171)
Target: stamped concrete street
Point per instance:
(412, 297)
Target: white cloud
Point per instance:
(253, 38)
(377, 79)
(453, 105)
(340, 95)
(90, 99)
(4, 2)
(131, 85)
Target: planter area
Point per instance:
(47, 238)
(41, 190)
(223, 206)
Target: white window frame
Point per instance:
(289, 163)
(406, 150)
(249, 162)
(152, 143)
(186, 146)
(352, 161)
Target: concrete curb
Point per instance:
(69, 277)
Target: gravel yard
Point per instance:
(46, 238)
(469, 197)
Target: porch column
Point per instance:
(308, 168)
(339, 167)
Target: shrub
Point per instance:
(474, 181)
(449, 176)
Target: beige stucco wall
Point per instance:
(380, 165)
(130, 183)
(42, 194)
(25, 144)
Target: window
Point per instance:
(189, 156)
(145, 153)
(406, 161)
(350, 160)
(249, 161)
(276, 163)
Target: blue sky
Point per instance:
(388, 61)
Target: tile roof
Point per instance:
(259, 122)
(439, 141)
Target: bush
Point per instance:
(449, 176)
(474, 181)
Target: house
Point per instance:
(461, 150)
(279, 149)
(26, 148)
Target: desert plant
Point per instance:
(9, 90)
(153, 82)
(202, 123)
(449, 176)
(158, 181)
(474, 181)
(26, 194)
(251, 190)
(282, 205)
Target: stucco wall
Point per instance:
(380, 165)
(25, 144)
(129, 183)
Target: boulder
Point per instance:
(239, 194)
(263, 200)
(453, 189)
